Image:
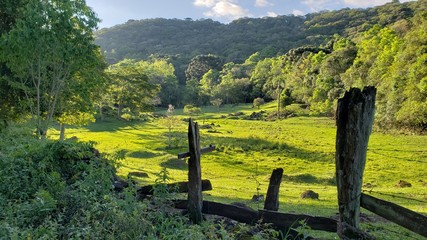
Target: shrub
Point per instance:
(258, 102)
(190, 109)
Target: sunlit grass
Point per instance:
(248, 151)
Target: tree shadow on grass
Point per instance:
(174, 163)
(114, 125)
(142, 154)
(233, 145)
(309, 178)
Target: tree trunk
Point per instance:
(101, 113)
(278, 102)
(62, 132)
(119, 111)
(355, 115)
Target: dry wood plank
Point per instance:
(355, 115)
(207, 149)
(272, 199)
(280, 221)
(180, 187)
(404, 217)
(195, 198)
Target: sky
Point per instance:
(113, 12)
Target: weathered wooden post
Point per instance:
(355, 116)
(195, 198)
(272, 199)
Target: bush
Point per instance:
(258, 102)
(190, 109)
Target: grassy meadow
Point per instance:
(248, 151)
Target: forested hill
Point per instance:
(236, 41)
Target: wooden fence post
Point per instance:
(195, 198)
(272, 199)
(355, 116)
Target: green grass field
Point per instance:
(248, 151)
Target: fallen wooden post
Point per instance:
(286, 220)
(180, 187)
(272, 199)
(404, 217)
(207, 149)
(355, 116)
(195, 198)
(280, 221)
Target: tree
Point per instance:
(201, 64)
(46, 49)
(276, 83)
(130, 88)
(258, 102)
(170, 122)
(216, 102)
(190, 109)
(162, 74)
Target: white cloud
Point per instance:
(262, 3)
(272, 14)
(205, 3)
(297, 12)
(223, 8)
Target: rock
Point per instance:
(310, 194)
(403, 183)
(120, 184)
(257, 198)
(138, 174)
(207, 126)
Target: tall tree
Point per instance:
(201, 64)
(46, 49)
(10, 109)
(130, 88)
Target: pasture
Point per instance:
(248, 151)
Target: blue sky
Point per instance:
(113, 12)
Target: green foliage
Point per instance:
(47, 50)
(201, 64)
(217, 102)
(190, 109)
(258, 102)
(130, 88)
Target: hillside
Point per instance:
(236, 41)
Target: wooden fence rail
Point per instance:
(281, 221)
(404, 217)
(180, 187)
